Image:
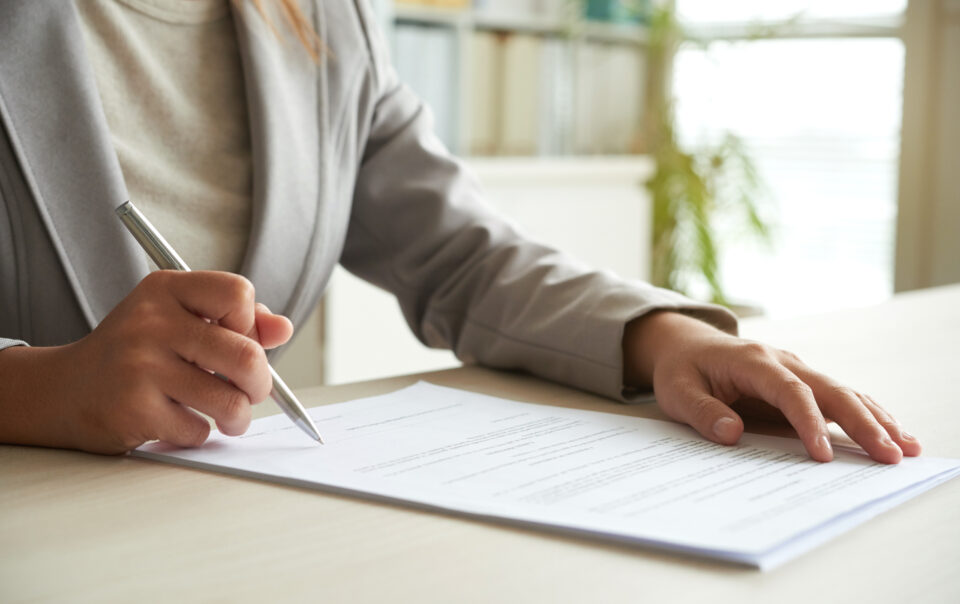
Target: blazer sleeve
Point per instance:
(466, 278)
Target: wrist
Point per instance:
(654, 336)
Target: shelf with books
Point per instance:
(430, 15)
(522, 78)
(556, 23)
(614, 32)
(532, 23)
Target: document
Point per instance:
(646, 482)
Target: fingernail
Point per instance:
(907, 436)
(825, 443)
(886, 440)
(725, 428)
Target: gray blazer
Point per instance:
(346, 169)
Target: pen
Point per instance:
(165, 257)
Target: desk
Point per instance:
(78, 527)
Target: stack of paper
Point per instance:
(642, 481)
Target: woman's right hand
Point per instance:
(147, 369)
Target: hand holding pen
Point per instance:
(166, 258)
(144, 373)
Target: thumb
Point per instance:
(269, 329)
(691, 402)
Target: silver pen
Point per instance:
(164, 256)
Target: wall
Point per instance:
(928, 227)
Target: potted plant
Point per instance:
(691, 190)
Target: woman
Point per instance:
(272, 160)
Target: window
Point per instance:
(821, 118)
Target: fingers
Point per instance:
(237, 357)
(690, 401)
(227, 404)
(269, 329)
(224, 298)
(180, 426)
(906, 441)
(766, 378)
(206, 322)
(848, 410)
(151, 354)
(868, 424)
(736, 369)
(696, 385)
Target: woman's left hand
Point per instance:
(700, 374)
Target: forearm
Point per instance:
(28, 382)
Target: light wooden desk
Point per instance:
(77, 527)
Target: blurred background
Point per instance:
(783, 158)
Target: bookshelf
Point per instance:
(521, 78)
(532, 23)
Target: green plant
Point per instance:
(691, 190)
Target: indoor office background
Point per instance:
(845, 109)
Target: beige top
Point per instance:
(171, 82)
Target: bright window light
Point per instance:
(711, 11)
(821, 118)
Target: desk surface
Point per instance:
(80, 527)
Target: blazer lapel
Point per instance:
(50, 107)
(283, 87)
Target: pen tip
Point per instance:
(306, 424)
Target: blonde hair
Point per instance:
(294, 18)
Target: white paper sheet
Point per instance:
(649, 482)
